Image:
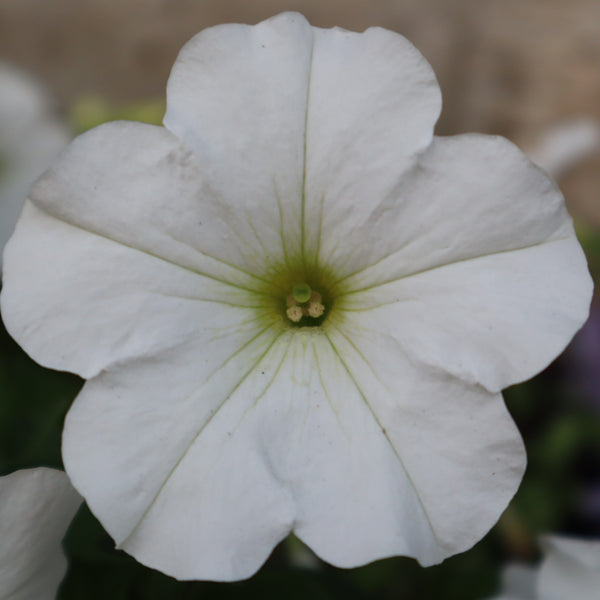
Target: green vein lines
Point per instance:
(435, 267)
(162, 258)
(376, 418)
(206, 423)
(303, 196)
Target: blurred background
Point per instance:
(518, 68)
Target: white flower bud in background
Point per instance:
(31, 135)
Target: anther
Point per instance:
(314, 308)
(294, 313)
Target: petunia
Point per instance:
(570, 569)
(36, 507)
(295, 307)
(31, 135)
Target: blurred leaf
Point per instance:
(33, 405)
(91, 111)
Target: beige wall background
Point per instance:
(512, 67)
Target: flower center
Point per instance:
(301, 295)
(304, 302)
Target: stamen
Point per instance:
(294, 313)
(315, 309)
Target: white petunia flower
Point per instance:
(30, 137)
(36, 508)
(295, 307)
(570, 570)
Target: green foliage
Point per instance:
(91, 111)
(33, 404)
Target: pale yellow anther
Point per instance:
(294, 313)
(315, 309)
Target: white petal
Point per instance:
(571, 569)
(22, 103)
(373, 102)
(36, 507)
(141, 186)
(496, 290)
(466, 196)
(457, 442)
(293, 139)
(237, 95)
(495, 321)
(86, 290)
(189, 494)
(566, 143)
(355, 500)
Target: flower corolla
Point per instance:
(36, 507)
(31, 135)
(570, 569)
(295, 307)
